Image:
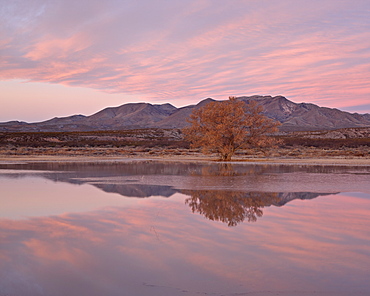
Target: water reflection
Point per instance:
(137, 190)
(33, 195)
(234, 207)
(87, 239)
(156, 178)
(142, 168)
(231, 207)
(229, 170)
(230, 193)
(159, 249)
(227, 206)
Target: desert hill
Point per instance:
(293, 116)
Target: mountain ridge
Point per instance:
(293, 117)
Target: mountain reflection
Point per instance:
(137, 190)
(234, 207)
(231, 207)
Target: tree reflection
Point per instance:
(231, 207)
(228, 170)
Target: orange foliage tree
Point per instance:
(224, 127)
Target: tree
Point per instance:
(226, 126)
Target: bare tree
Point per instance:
(226, 126)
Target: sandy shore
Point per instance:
(196, 157)
(292, 155)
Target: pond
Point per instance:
(184, 228)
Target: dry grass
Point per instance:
(106, 139)
(131, 151)
(167, 143)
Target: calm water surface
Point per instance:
(156, 228)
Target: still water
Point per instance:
(167, 228)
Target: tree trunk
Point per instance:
(226, 156)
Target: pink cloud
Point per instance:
(190, 50)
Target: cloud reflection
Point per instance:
(159, 249)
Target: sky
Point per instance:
(66, 57)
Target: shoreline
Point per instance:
(354, 161)
(295, 155)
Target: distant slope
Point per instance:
(293, 116)
(304, 116)
(137, 115)
(178, 118)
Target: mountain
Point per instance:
(293, 116)
(305, 116)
